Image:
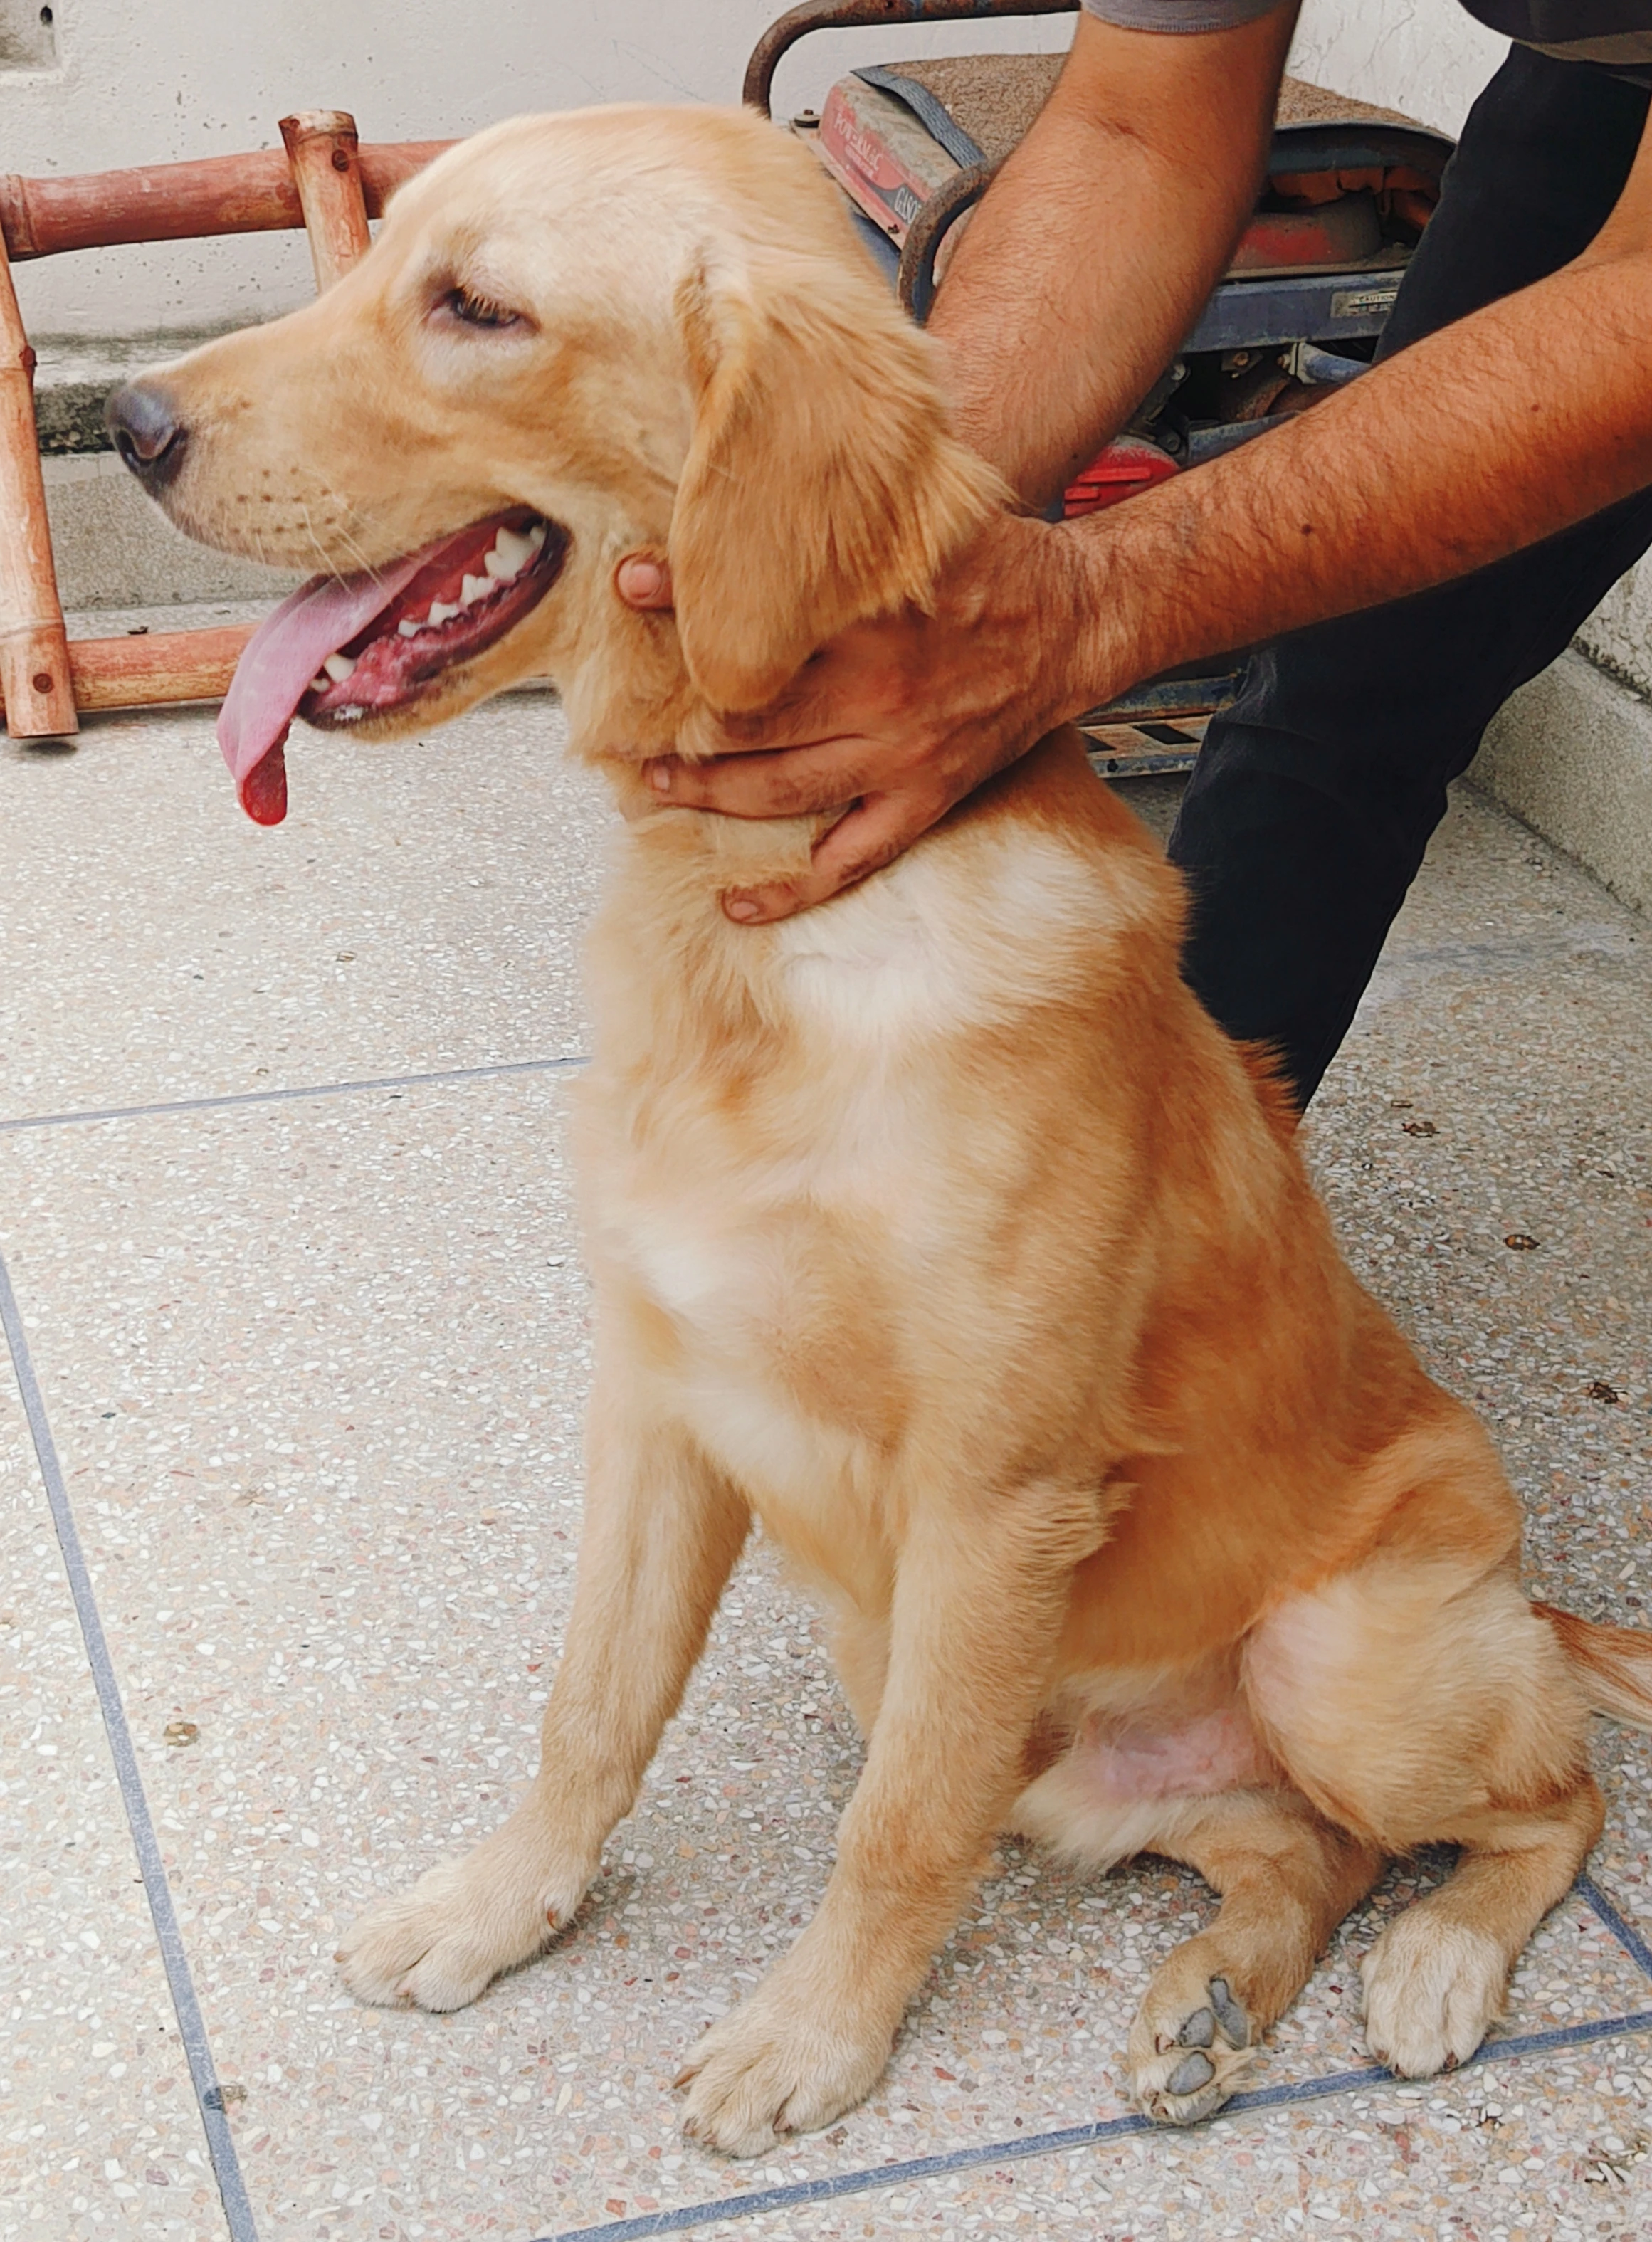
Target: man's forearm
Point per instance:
(1089, 259)
(1487, 437)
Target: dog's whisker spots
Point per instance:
(351, 547)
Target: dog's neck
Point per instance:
(723, 852)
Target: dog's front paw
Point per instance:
(786, 2061)
(1433, 1989)
(440, 1944)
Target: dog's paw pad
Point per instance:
(1196, 2061)
(1230, 2014)
(1191, 2074)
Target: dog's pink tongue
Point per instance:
(275, 669)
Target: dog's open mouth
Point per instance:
(344, 648)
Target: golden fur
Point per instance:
(937, 1228)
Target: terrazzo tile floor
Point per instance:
(304, 1312)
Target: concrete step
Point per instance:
(1571, 755)
(113, 549)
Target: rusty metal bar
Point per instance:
(322, 150)
(915, 282)
(34, 647)
(254, 194)
(857, 15)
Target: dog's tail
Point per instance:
(1613, 1664)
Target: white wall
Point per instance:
(150, 81)
(154, 81)
(1428, 58)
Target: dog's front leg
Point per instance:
(662, 1533)
(981, 1588)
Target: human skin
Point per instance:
(1483, 438)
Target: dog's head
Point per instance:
(577, 337)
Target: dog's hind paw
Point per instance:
(1433, 1989)
(1188, 2053)
(440, 1944)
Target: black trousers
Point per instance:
(1314, 798)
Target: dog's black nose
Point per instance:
(145, 430)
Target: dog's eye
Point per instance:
(479, 311)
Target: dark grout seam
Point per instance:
(1621, 1927)
(302, 1090)
(220, 2143)
(837, 2184)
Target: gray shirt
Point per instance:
(1617, 33)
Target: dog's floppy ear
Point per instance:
(822, 484)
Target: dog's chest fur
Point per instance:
(791, 1189)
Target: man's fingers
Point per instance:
(643, 580)
(798, 719)
(783, 783)
(844, 692)
(873, 834)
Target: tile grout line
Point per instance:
(1619, 1924)
(220, 2144)
(833, 2186)
(491, 1073)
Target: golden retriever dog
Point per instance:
(936, 1228)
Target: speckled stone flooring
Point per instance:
(285, 1213)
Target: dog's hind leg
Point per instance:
(1418, 1698)
(662, 1531)
(1436, 1979)
(1287, 1878)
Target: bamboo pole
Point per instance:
(158, 667)
(34, 649)
(322, 149)
(182, 202)
(162, 667)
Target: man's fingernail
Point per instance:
(641, 579)
(660, 777)
(741, 906)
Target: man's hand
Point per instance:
(898, 718)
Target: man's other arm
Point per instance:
(1094, 250)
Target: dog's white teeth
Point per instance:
(537, 536)
(338, 667)
(514, 550)
(441, 612)
(319, 682)
(405, 629)
(496, 565)
(475, 588)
